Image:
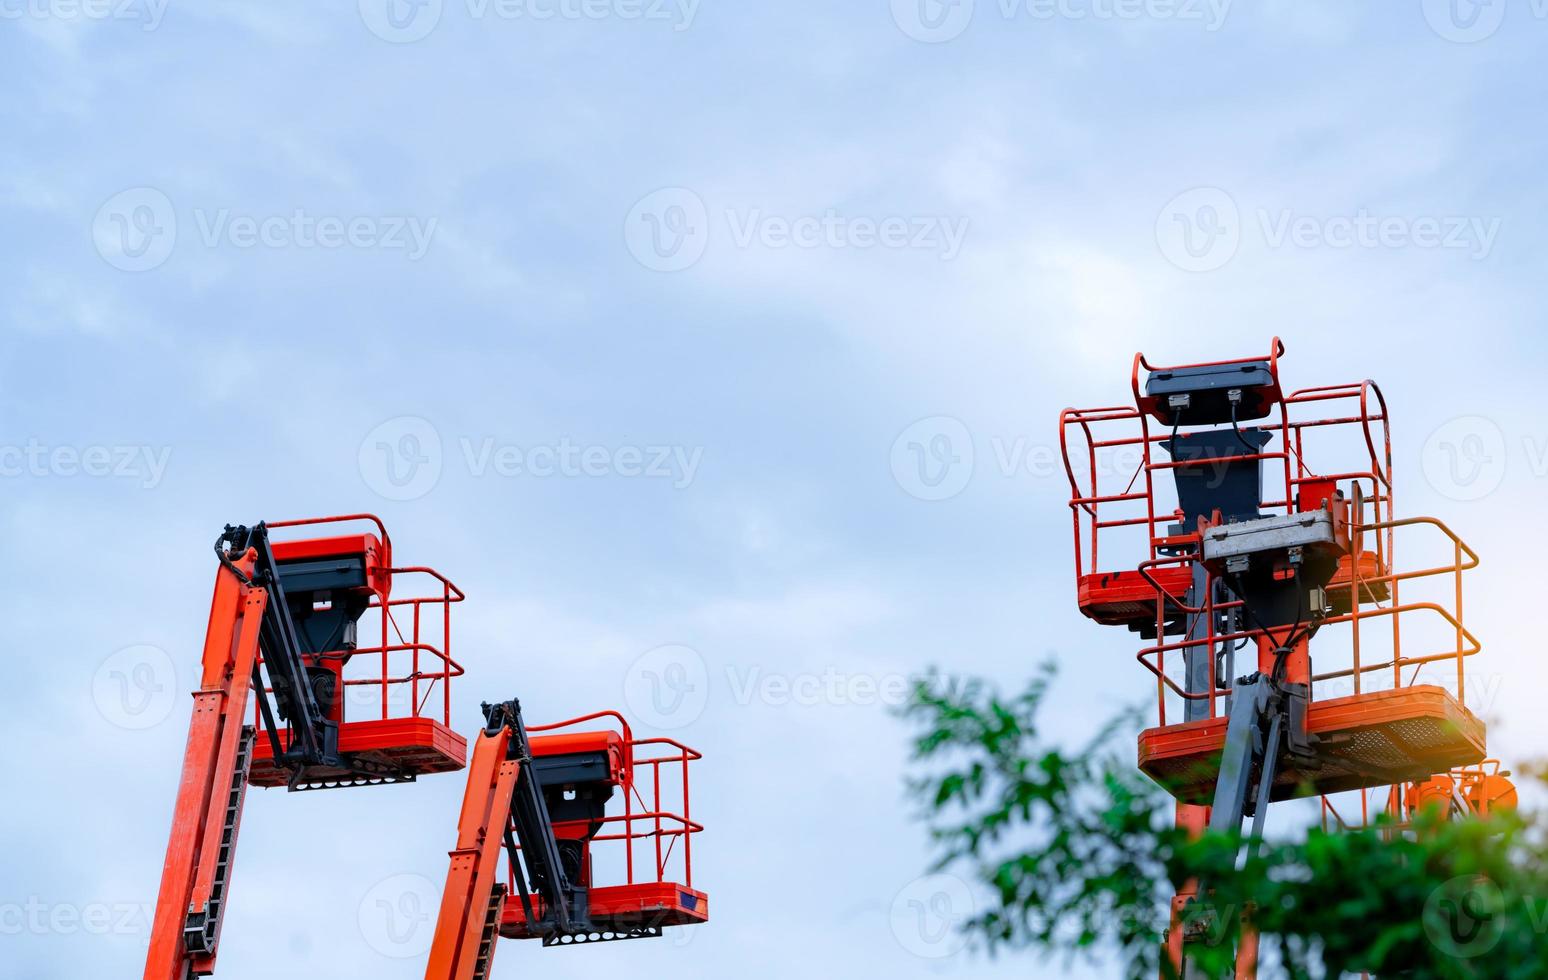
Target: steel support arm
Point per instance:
(502, 808)
(195, 878)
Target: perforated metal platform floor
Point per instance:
(1366, 740)
(623, 908)
(415, 745)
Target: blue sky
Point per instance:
(625, 315)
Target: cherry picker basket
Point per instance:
(285, 636)
(382, 665)
(1272, 461)
(632, 850)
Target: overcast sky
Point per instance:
(715, 349)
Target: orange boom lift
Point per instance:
(286, 623)
(1251, 520)
(541, 803)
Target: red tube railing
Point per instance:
(418, 646)
(664, 823)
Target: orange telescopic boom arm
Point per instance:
(503, 811)
(207, 815)
(270, 711)
(470, 905)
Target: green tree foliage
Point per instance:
(1076, 852)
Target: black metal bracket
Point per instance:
(1267, 720)
(314, 738)
(532, 840)
(602, 936)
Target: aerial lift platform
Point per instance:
(534, 818)
(1252, 520)
(303, 633)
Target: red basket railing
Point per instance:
(1466, 645)
(405, 668)
(648, 824)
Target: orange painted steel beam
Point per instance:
(1193, 820)
(475, 862)
(218, 764)
(214, 739)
